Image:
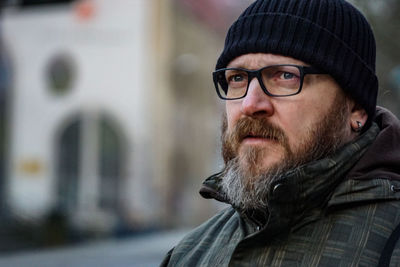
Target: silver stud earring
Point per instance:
(359, 127)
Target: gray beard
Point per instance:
(247, 190)
(244, 194)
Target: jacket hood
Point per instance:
(382, 160)
(376, 176)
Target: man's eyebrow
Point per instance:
(241, 66)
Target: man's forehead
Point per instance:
(257, 60)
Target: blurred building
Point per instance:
(112, 118)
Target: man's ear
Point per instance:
(358, 117)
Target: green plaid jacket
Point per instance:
(338, 211)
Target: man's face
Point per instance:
(264, 132)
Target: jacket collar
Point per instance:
(304, 188)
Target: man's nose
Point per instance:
(256, 102)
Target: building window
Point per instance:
(68, 166)
(61, 74)
(110, 164)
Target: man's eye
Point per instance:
(287, 76)
(236, 78)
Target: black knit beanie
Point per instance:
(330, 35)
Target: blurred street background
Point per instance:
(109, 123)
(141, 251)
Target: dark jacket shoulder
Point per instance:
(220, 229)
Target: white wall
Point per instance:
(111, 52)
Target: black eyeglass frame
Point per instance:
(304, 70)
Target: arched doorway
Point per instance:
(90, 165)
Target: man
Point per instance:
(312, 166)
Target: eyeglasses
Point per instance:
(275, 80)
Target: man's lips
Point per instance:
(258, 138)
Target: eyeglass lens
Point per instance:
(277, 80)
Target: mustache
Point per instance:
(249, 127)
(256, 127)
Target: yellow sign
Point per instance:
(31, 166)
